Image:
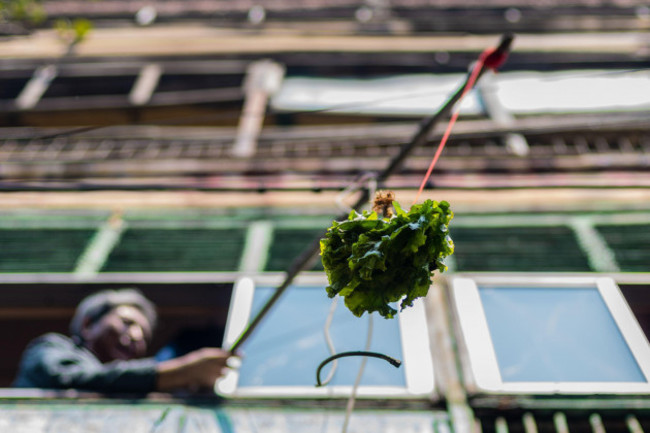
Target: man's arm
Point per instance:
(196, 370)
(54, 362)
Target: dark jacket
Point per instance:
(54, 361)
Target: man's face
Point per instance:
(121, 334)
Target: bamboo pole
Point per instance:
(420, 138)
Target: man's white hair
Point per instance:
(95, 306)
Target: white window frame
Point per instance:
(417, 363)
(481, 355)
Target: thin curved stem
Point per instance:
(394, 362)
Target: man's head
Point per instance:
(114, 324)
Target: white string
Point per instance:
(328, 340)
(353, 396)
(370, 179)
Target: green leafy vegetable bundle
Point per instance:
(373, 261)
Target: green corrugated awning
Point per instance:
(518, 249)
(630, 244)
(177, 250)
(42, 249)
(287, 244)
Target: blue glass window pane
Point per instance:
(289, 344)
(556, 335)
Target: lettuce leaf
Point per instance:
(373, 262)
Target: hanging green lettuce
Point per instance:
(373, 261)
